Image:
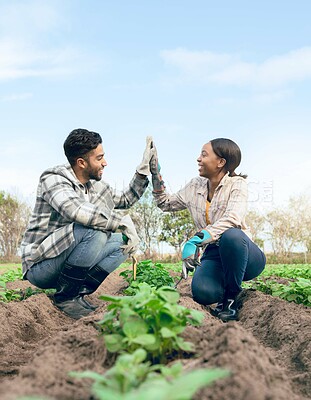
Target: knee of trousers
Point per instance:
(117, 238)
(82, 232)
(115, 243)
(205, 293)
(101, 238)
(231, 236)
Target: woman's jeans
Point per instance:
(235, 258)
(91, 247)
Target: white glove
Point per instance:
(128, 228)
(143, 168)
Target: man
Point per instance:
(70, 243)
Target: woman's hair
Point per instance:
(80, 142)
(229, 151)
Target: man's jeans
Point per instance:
(91, 247)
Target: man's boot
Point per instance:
(231, 308)
(67, 297)
(93, 280)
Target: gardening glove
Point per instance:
(144, 168)
(155, 168)
(189, 265)
(129, 234)
(190, 253)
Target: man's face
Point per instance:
(95, 164)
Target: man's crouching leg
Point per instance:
(112, 256)
(67, 297)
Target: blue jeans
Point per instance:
(90, 248)
(235, 258)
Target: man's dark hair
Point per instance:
(80, 142)
(230, 151)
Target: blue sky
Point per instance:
(184, 72)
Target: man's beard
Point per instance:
(96, 177)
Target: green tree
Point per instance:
(177, 227)
(14, 217)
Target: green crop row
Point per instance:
(154, 274)
(151, 319)
(298, 291)
(144, 329)
(288, 270)
(7, 295)
(134, 378)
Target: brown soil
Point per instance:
(268, 351)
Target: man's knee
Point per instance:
(85, 233)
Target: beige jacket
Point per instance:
(228, 206)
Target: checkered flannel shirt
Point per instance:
(228, 206)
(61, 202)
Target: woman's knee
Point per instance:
(231, 236)
(204, 292)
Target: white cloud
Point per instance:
(271, 97)
(30, 17)
(16, 97)
(228, 69)
(21, 59)
(29, 42)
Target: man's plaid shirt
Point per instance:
(228, 206)
(61, 202)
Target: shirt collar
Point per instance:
(225, 179)
(76, 180)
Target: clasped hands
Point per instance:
(150, 164)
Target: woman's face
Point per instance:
(209, 163)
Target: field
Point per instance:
(268, 351)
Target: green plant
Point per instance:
(151, 319)
(154, 274)
(134, 378)
(298, 291)
(288, 271)
(7, 295)
(12, 275)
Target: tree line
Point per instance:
(283, 229)
(14, 217)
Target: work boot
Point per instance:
(67, 297)
(216, 310)
(231, 308)
(93, 280)
(74, 308)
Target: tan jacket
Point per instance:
(228, 206)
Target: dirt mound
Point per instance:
(268, 351)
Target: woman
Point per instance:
(217, 201)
